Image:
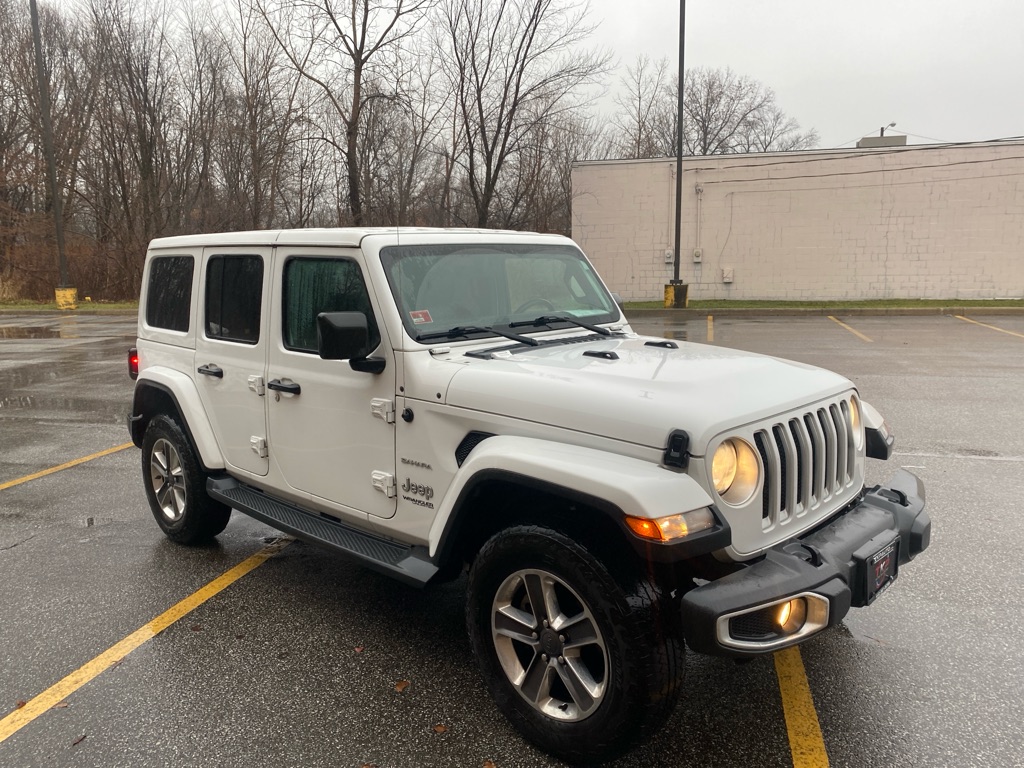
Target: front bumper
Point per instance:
(824, 572)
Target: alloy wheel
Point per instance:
(549, 645)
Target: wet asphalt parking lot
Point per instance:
(299, 662)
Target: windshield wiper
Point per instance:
(465, 330)
(549, 319)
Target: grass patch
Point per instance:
(864, 304)
(52, 305)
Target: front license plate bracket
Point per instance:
(876, 566)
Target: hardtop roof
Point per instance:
(336, 236)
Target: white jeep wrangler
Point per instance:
(426, 400)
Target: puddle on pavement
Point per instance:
(81, 361)
(29, 332)
(70, 407)
(27, 376)
(980, 453)
(70, 328)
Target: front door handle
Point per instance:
(211, 370)
(279, 386)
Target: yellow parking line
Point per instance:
(805, 740)
(986, 325)
(67, 465)
(92, 669)
(855, 332)
(711, 328)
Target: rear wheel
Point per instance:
(577, 661)
(176, 485)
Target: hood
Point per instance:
(639, 393)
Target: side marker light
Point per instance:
(672, 527)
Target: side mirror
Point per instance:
(346, 336)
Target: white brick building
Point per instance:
(938, 221)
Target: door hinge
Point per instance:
(385, 483)
(383, 409)
(259, 446)
(257, 385)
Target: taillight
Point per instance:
(133, 363)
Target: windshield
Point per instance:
(463, 291)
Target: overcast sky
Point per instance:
(941, 69)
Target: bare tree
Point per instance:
(723, 113)
(26, 201)
(200, 61)
(134, 120)
(417, 121)
(263, 113)
(543, 171)
(718, 105)
(17, 176)
(512, 64)
(260, 120)
(642, 108)
(340, 47)
(772, 130)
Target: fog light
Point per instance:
(791, 616)
(776, 625)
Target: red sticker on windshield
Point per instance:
(420, 317)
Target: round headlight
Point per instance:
(723, 466)
(735, 471)
(855, 423)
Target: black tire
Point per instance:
(176, 485)
(620, 645)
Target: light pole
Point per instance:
(67, 296)
(881, 131)
(675, 292)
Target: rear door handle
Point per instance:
(279, 386)
(211, 370)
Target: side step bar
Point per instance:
(403, 562)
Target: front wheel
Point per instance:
(176, 485)
(579, 663)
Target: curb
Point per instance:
(684, 314)
(667, 314)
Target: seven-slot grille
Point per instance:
(808, 459)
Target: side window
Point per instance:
(234, 291)
(312, 286)
(169, 293)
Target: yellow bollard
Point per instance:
(67, 298)
(676, 296)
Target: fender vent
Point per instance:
(469, 442)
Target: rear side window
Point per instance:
(169, 293)
(234, 292)
(312, 286)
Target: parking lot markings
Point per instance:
(56, 693)
(855, 332)
(986, 325)
(67, 465)
(805, 740)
